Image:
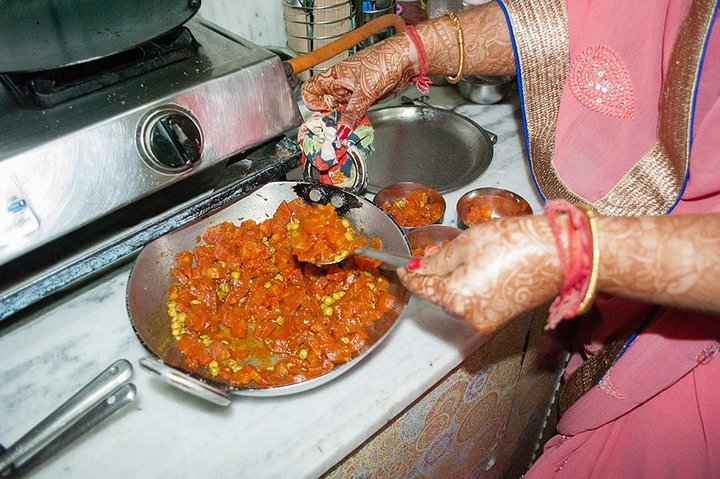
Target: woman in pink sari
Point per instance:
(621, 108)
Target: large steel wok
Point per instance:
(150, 279)
(44, 34)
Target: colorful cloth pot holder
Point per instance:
(327, 151)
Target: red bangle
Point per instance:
(422, 81)
(576, 259)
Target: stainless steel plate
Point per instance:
(150, 277)
(428, 145)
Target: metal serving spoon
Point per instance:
(391, 259)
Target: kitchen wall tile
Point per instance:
(260, 22)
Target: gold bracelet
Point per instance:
(461, 45)
(591, 290)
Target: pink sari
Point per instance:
(655, 413)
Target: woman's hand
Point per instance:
(358, 82)
(491, 273)
(375, 72)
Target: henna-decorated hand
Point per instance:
(361, 80)
(491, 273)
(384, 68)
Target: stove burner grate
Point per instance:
(48, 88)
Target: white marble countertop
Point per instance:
(51, 354)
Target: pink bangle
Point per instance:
(422, 81)
(577, 261)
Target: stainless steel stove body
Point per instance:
(137, 153)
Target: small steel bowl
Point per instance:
(485, 90)
(438, 235)
(397, 191)
(502, 203)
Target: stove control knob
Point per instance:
(171, 139)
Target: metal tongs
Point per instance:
(101, 397)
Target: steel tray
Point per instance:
(428, 145)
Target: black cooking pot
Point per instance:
(40, 35)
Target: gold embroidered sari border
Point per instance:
(540, 32)
(654, 184)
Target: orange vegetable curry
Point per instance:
(317, 234)
(413, 210)
(422, 251)
(478, 214)
(248, 311)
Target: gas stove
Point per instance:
(101, 157)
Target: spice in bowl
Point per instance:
(411, 205)
(484, 204)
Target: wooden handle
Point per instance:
(308, 60)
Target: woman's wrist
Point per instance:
(541, 260)
(440, 39)
(412, 55)
(407, 57)
(662, 259)
(488, 49)
(419, 59)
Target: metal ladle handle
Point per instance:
(387, 258)
(97, 400)
(185, 382)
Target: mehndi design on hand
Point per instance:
(491, 273)
(383, 69)
(361, 80)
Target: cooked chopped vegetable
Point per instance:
(413, 210)
(427, 250)
(317, 234)
(244, 308)
(478, 214)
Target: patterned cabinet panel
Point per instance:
(484, 420)
(534, 416)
